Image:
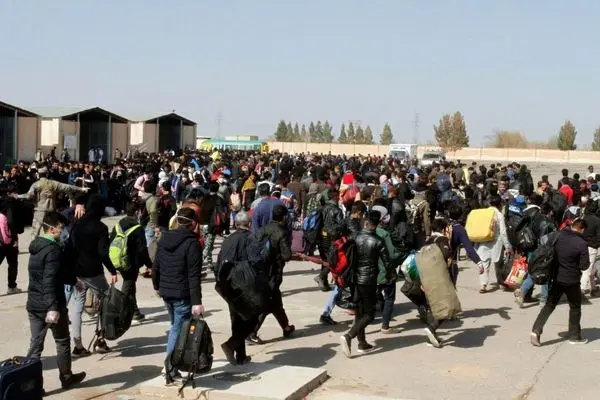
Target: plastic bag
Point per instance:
(250, 290)
(409, 268)
(517, 273)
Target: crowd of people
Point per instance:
(175, 205)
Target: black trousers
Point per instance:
(11, 254)
(366, 300)
(129, 286)
(240, 330)
(414, 293)
(324, 246)
(276, 309)
(62, 338)
(573, 293)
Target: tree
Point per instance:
(290, 132)
(319, 132)
(507, 140)
(359, 137)
(304, 137)
(368, 136)
(451, 132)
(296, 137)
(386, 135)
(327, 132)
(351, 133)
(596, 142)
(566, 136)
(343, 138)
(312, 132)
(281, 133)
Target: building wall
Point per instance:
(28, 136)
(469, 153)
(136, 133)
(150, 143)
(120, 136)
(70, 128)
(188, 138)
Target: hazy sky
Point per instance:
(513, 64)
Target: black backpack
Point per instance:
(116, 313)
(558, 201)
(542, 262)
(193, 352)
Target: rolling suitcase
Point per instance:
(21, 377)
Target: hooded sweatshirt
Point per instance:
(177, 266)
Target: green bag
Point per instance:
(117, 252)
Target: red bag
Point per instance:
(349, 195)
(517, 273)
(341, 260)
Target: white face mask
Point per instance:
(461, 187)
(584, 199)
(480, 185)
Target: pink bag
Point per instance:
(297, 242)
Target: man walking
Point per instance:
(572, 257)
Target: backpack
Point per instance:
(512, 225)
(312, 226)
(443, 183)
(116, 313)
(542, 261)
(403, 236)
(449, 197)
(349, 195)
(218, 220)
(117, 251)
(342, 260)
(313, 203)
(526, 239)
(558, 201)
(164, 210)
(193, 352)
(413, 215)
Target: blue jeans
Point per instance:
(386, 297)
(179, 311)
(528, 285)
(150, 235)
(331, 301)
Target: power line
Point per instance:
(219, 121)
(416, 124)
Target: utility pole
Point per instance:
(416, 124)
(219, 121)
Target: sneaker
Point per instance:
(72, 380)
(139, 317)
(519, 298)
(101, 347)
(80, 352)
(431, 336)
(365, 348)
(245, 360)
(229, 354)
(13, 290)
(287, 332)
(387, 331)
(326, 320)
(346, 344)
(323, 285)
(579, 340)
(534, 338)
(254, 339)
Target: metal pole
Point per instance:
(109, 141)
(78, 144)
(15, 136)
(180, 135)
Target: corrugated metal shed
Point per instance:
(21, 112)
(71, 112)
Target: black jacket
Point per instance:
(47, 277)
(280, 248)
(89, 238)
(137, 248)
(333, 221)
(177, 266)
(370, 249)
(235, 247)
(572, 256)
(592, 232)
(352, 226)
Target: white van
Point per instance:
(403, 151)
(430, 157)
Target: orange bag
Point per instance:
(517, 273)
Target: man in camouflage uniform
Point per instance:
(44, 192)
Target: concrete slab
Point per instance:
(338, 395)
(252, 381)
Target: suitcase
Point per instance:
(21, 377)
(481, 225)
(439, 290)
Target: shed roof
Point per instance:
(151, 118)
(71, 112)
(21, 112)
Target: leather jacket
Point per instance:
(370, 249)
(333, 222)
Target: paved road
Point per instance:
(487, 351)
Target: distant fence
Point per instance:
(468, 153)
